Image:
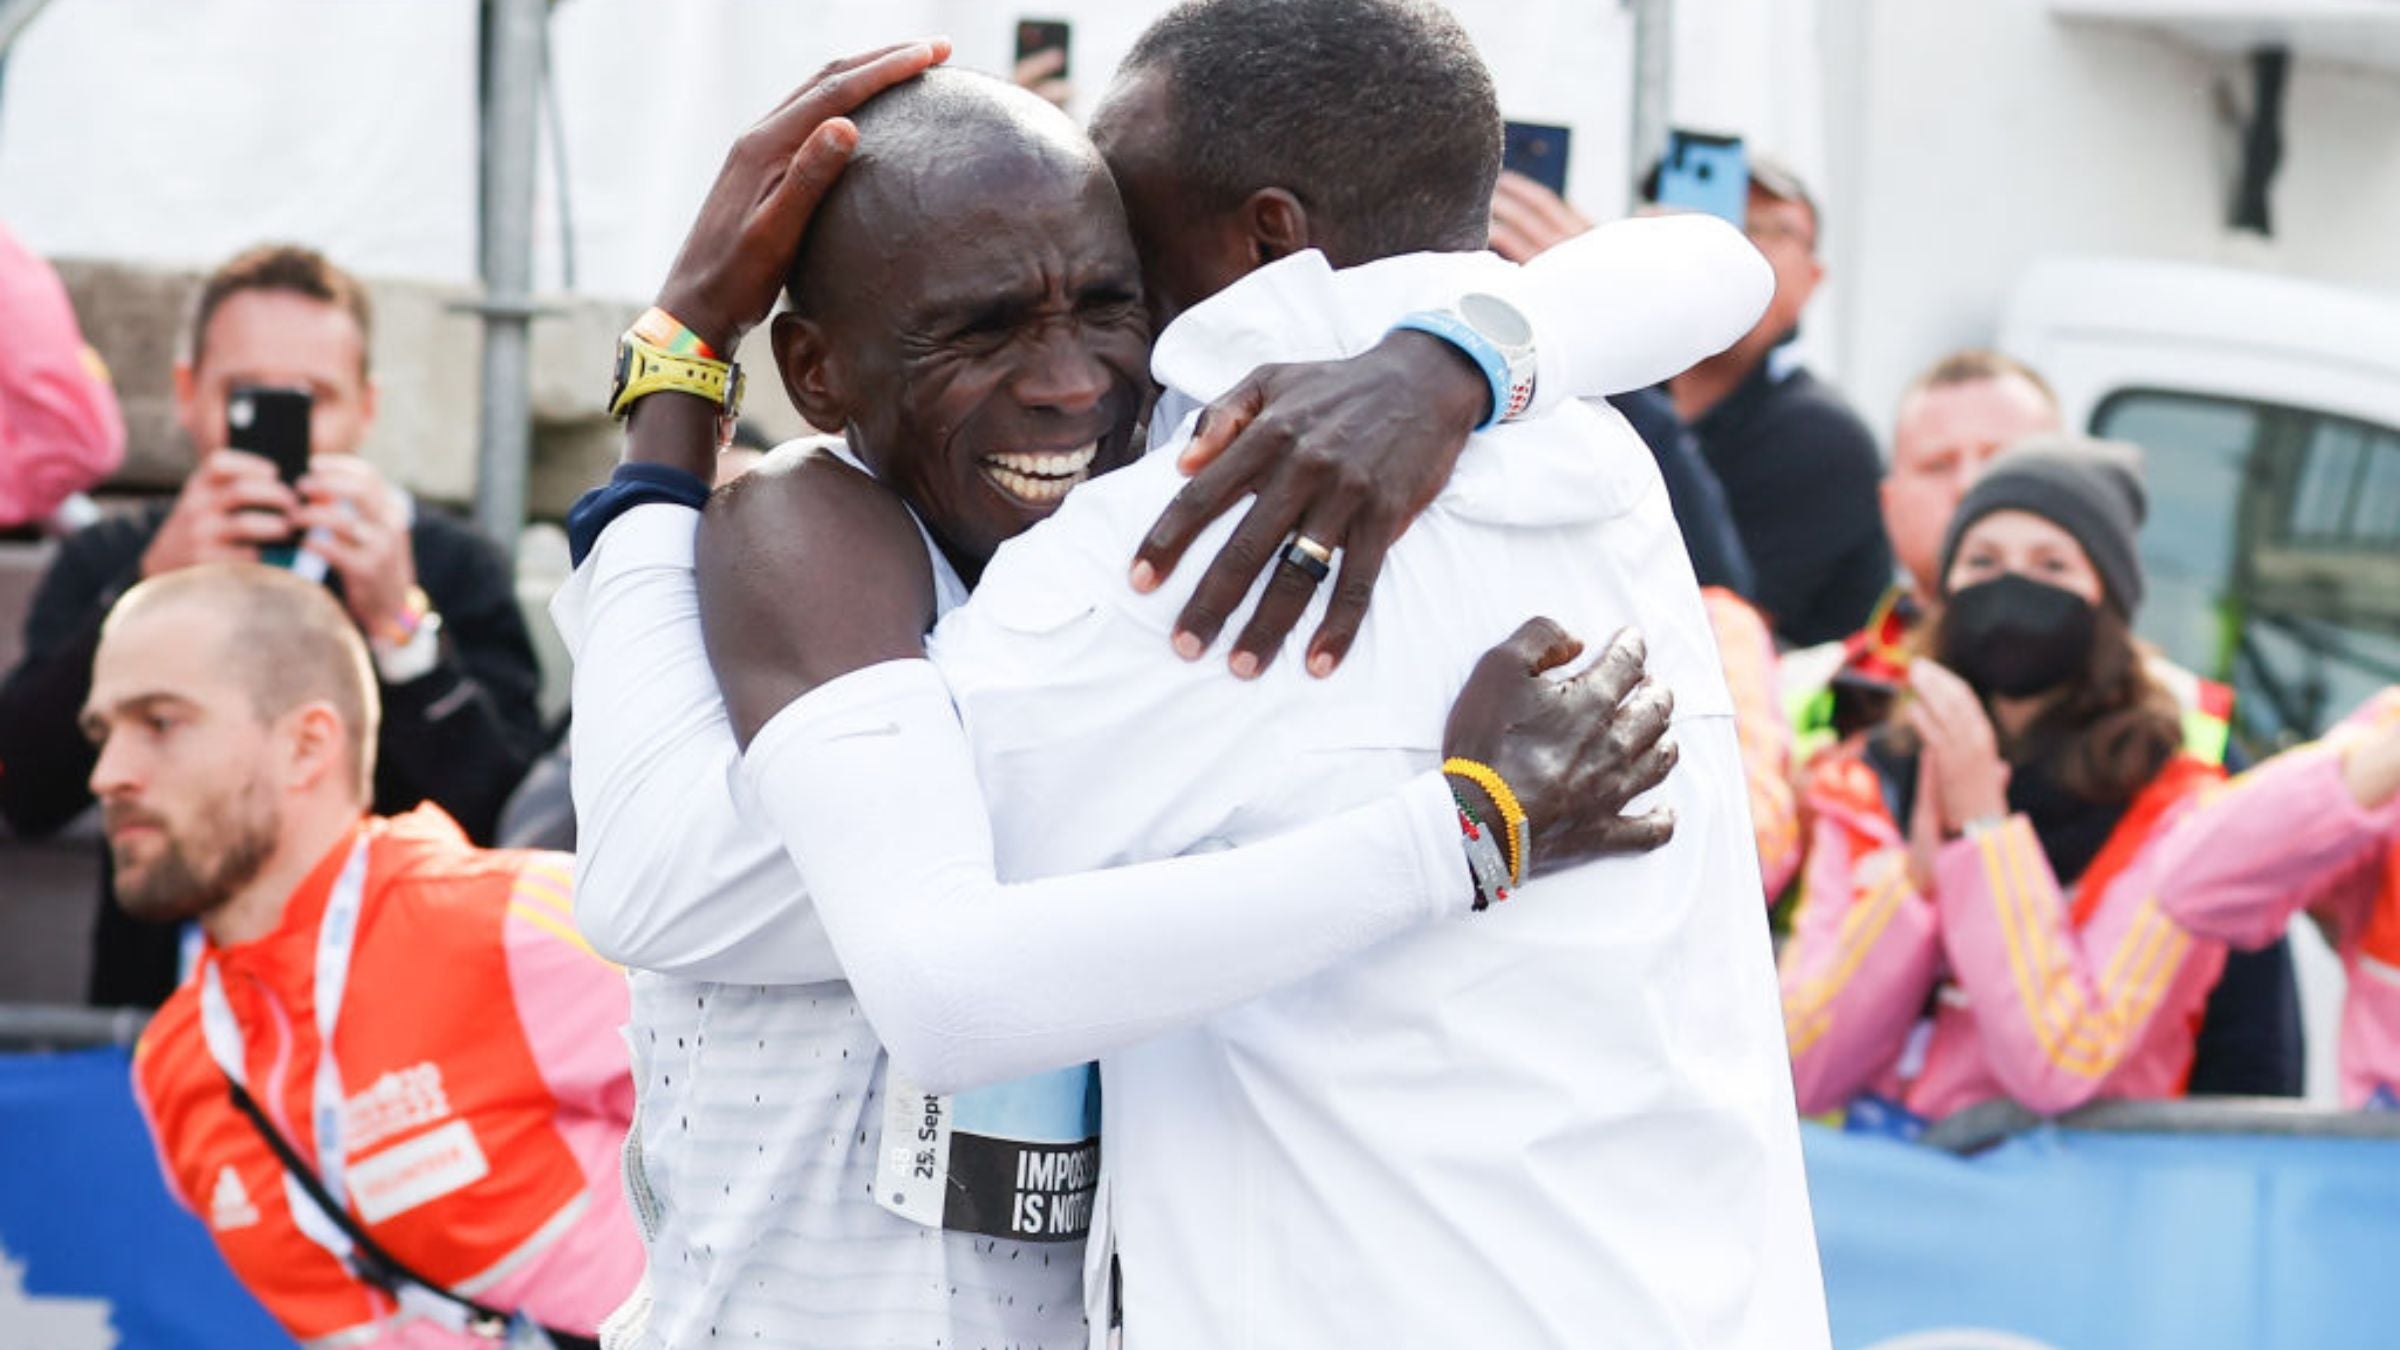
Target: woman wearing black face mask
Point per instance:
(2006, 941)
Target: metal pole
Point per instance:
(511, 131)
(1653, 80)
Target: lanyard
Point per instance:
(337, 933)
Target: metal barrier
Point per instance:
(1980, 1127)
(49, 1026)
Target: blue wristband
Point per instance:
(630, 486)
(1475, 346)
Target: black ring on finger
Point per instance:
(1311, 558)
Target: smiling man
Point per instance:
(1570, 1114)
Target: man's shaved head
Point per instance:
(282, 640)
(942, 124)
(967, 309)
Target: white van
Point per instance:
(2270, 413)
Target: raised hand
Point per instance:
(1574, 751)
(1961, 759)
(359, 522)
(741, 245)
(1528, 218)
(733, 261)
(230, 507)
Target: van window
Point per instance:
(2349, 487)
(2268, 549)
(2195, 452)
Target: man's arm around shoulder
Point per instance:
(809, 570)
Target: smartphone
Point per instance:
(271, 422)
(1707, 173)
(1537, 151)
(1035, 36)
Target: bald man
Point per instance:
(392, 1087)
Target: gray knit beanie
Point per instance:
(2091, 489)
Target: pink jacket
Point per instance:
(1747, 649)
(2028, 999)
(59, 427)
(2288, 836)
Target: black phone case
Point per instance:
(272, 423)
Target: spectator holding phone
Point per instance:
(434, 600)
(59, 427)
(1799, 469)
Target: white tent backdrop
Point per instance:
(177, 131)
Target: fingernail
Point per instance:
(1188, 646)
(1245, 666)
(1321, 664)
(1145, 577)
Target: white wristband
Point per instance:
(414, 658)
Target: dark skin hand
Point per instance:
(731, 267)
(1574, 751)
(1343, 452)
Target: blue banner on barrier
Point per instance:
(2060, 1240)
(94, 1255)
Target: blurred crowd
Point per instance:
(2013, 853)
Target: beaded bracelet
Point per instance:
(1512, 813)
(1484, 863)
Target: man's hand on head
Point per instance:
(1574, 751)
(1344, 453)
(358, 522)
(741, 245)
(1528, 218)
(232, 506)
(733, 261)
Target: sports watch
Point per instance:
(658, 353)
(1496, 337)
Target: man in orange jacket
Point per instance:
(393, 1086)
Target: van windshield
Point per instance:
(2272, 548)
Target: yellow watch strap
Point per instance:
(650, 369)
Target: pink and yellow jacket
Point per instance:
(2000, 983)
(2288, 836)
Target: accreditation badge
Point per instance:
(1016, 1160)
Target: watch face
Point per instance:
(624, 371)
(1496, 319)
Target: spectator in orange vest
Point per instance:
(393, 1086)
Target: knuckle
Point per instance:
(1353, 593)
(1245, 552)
(1354, 478)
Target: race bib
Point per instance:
(1015, 1160)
